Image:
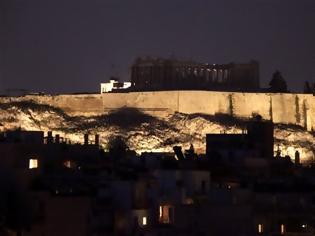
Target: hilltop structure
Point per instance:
(114, 85)
(150, 74)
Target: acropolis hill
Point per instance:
(167, 118)
(286, 108)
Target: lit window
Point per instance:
(67, 164)
(166, 214)
(188, 201)
(260, 228)
(33, 164)
(144, 220)
(161, 211)
(282, 229)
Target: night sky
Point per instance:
(63, 46)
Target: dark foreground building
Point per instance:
(171, 74)
(257, 141)
(52, 187)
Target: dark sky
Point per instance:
(62, 46)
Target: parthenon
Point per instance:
(170, 74)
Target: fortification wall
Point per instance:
(79, 104)
(82, 104)
(205, 102)
(247, 104)
(296, 109)
(157, 103)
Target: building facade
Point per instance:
(114, 85)
(256, 141)
(170, 74)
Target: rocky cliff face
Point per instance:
(144, 132)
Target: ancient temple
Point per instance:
(170, 74)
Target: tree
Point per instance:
(307, 87)
(277, 83)
(117, 147)
(190, 153)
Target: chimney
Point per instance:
(86, 139)
(49, 137)
(97, 140)
(57, 139)
(297, 158)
